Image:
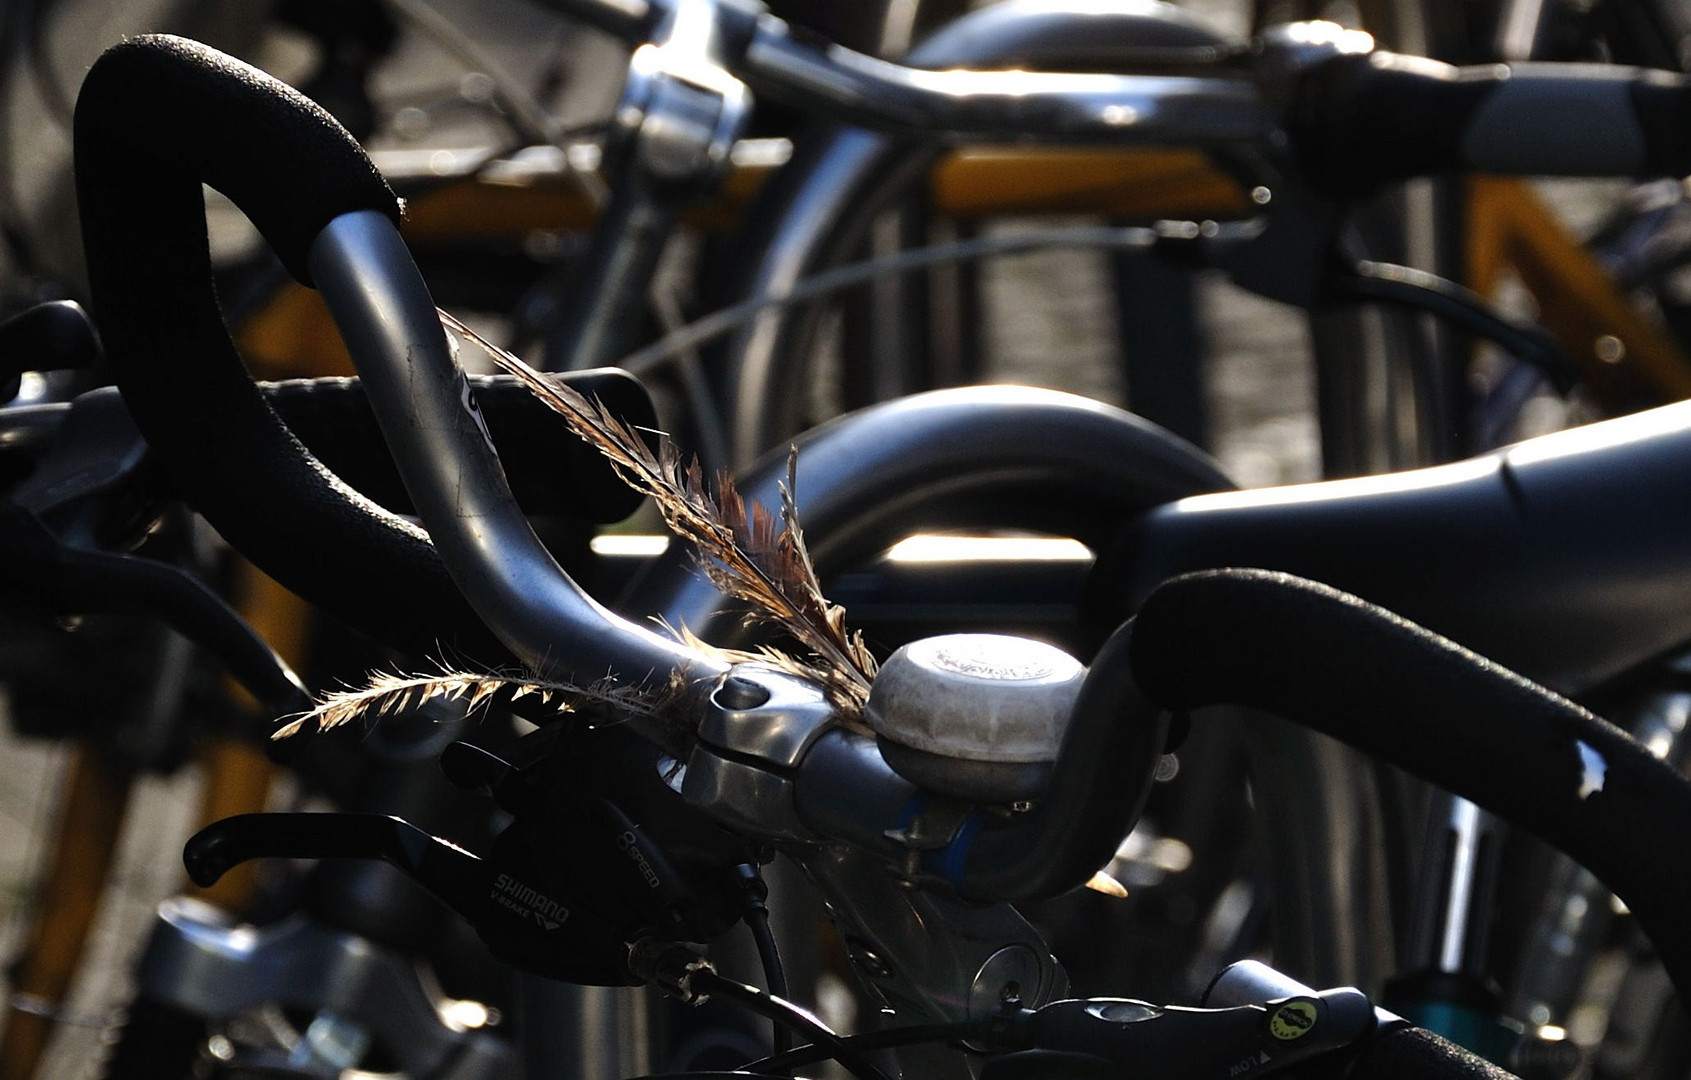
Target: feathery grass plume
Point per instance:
(750, 554)
(388, 693)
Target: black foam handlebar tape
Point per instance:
(1412, 1053)
(157, 112)
(157, 117)
(1332, 662)
(550, 470)
(1359, 122)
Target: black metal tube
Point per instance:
(1332, 662)
(821, 205)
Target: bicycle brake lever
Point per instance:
(53, 336)
(509, 898)
(598, 797)
(600, 852)
(435, 863)
(52, 525)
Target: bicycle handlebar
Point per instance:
(186, 114)
(455, 481)
(1227, 636)
(1355, 121)
(1047, 106)
(420, 398)
(157, 117)
(1361, 121)
(1019, 105)
(451, 470)
(1400, 693)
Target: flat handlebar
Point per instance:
(1362, 121)
(1354, 119)
(1004, 105)
(995, 105)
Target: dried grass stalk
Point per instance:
(388, 693)
(750, 554)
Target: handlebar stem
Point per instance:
(682, 109)
(757, 727)
(680, 113)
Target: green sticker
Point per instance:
(1292, 1020)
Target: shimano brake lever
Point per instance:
(220, 846)
(600, 852)
(509, 898)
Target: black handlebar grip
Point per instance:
(158, 111)
(1412, 1053)
(551, 471)
(1332, 662)
(1362, 121)
(157, 117)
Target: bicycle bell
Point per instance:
(976, 716)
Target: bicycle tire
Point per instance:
(823, 206)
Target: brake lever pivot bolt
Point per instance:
(976, 716)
